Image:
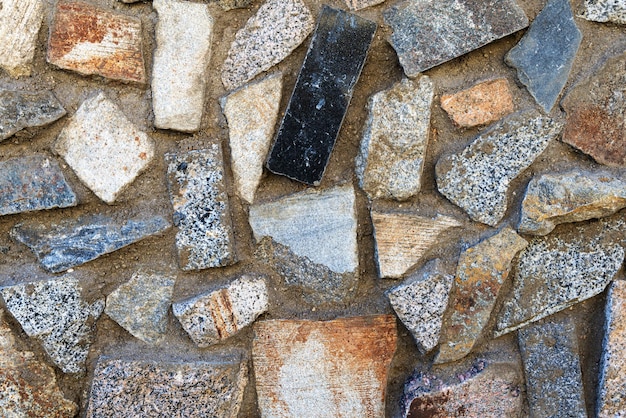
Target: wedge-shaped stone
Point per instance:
(20, 21)
(94, 40)
(268, 37)
(212, 387)
(201, 210)
(323, 369)
(605, 11)
(427, 33)
(20, 110)
(321, 96)
(478, 178)
(393, 148)
(251, 113)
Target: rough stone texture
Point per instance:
(233, 4)
(323, 369)
(201, 209)
(362, 4)
(251, 113)
(212, 387)
(140, 305)
(420, 303)
(427, 33)
(481, 272)
(278, 27)
(20, 21)
(94, 40)
(480, 104)
(54, 312)
(478, 178)
(572, 196)
(553, 377)
(73, 242)
(33, 183)
(605, 11)
(28, 387)
(20, 110)
(319, 225)
(393, 148)
(215, 316)
(544, 56)
(181, 62)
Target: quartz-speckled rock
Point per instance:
(605, 11)
(54, 312)
(395, 138)
(362, 4)
(20, 110)
(215, 316)
(20, 21)
(478, 178)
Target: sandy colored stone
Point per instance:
(605, 11)
(21, 110)
(20, 21)
(362, 4)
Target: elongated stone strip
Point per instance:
(20, 21)
(20, 110)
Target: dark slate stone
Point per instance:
(33, 183)
(544, 56)
(321, 96)
(20, 110)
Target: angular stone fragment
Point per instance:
(319, 225)
(393, 148)
(105, 149)
(544, 56)
(54, 312)
(323, 369)
(481, 272)
(427, 33)
(572, 196)
(251, 113)
(268, 37)
(212, 387)
(480, 104)
(33, 183)
(73, 242)
(140, 305)
(321, 96)
(362, 4)
(215, 316)
(605, 11)
(201, 210)
(181, 63)
(20, 110)
(94, 40)
(20, 21)
(478, 178)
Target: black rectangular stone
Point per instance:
(321, 96)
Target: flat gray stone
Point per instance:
(478, 179)
(20, 21)
(544, 56)
(605, 11)
(20, 110)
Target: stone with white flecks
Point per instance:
(20, 21)
(605, 11)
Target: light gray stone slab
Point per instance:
(20, 21)
(605, 11)
(20, 110)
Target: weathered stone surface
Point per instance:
(54, 312)
(233, 4)
(480, 104)
(321, 96)
(140, 305)
(33, 183)
(201, 209)
(94, 40)
(105, 150)
(215, 316)
(572, 196)
(323, 369)
(480, 274)
(73, 242)
(212, 387)
(362, 4)
(393, 148)
(20, 110)
(20, 21)
(552, 368)
(181, 63)
(268, 37)
(402, 239)
(420, 303)
(251, 113)
(430, 32)
(319, 225)
(478, 178)
(605, 11)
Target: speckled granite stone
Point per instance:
(605, 11)
(20, 110)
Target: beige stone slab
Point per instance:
(20, 21)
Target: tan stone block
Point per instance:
(20, 21)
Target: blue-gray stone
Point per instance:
(20, 110)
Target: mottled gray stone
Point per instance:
(20, 21)
(201, 209)
(20, 110)
(76, 241)
(605, 11)
(478, 178)
(544, 56)
(427, 33)
(54, 312)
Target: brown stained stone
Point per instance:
(93, 40)
(323, 368)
